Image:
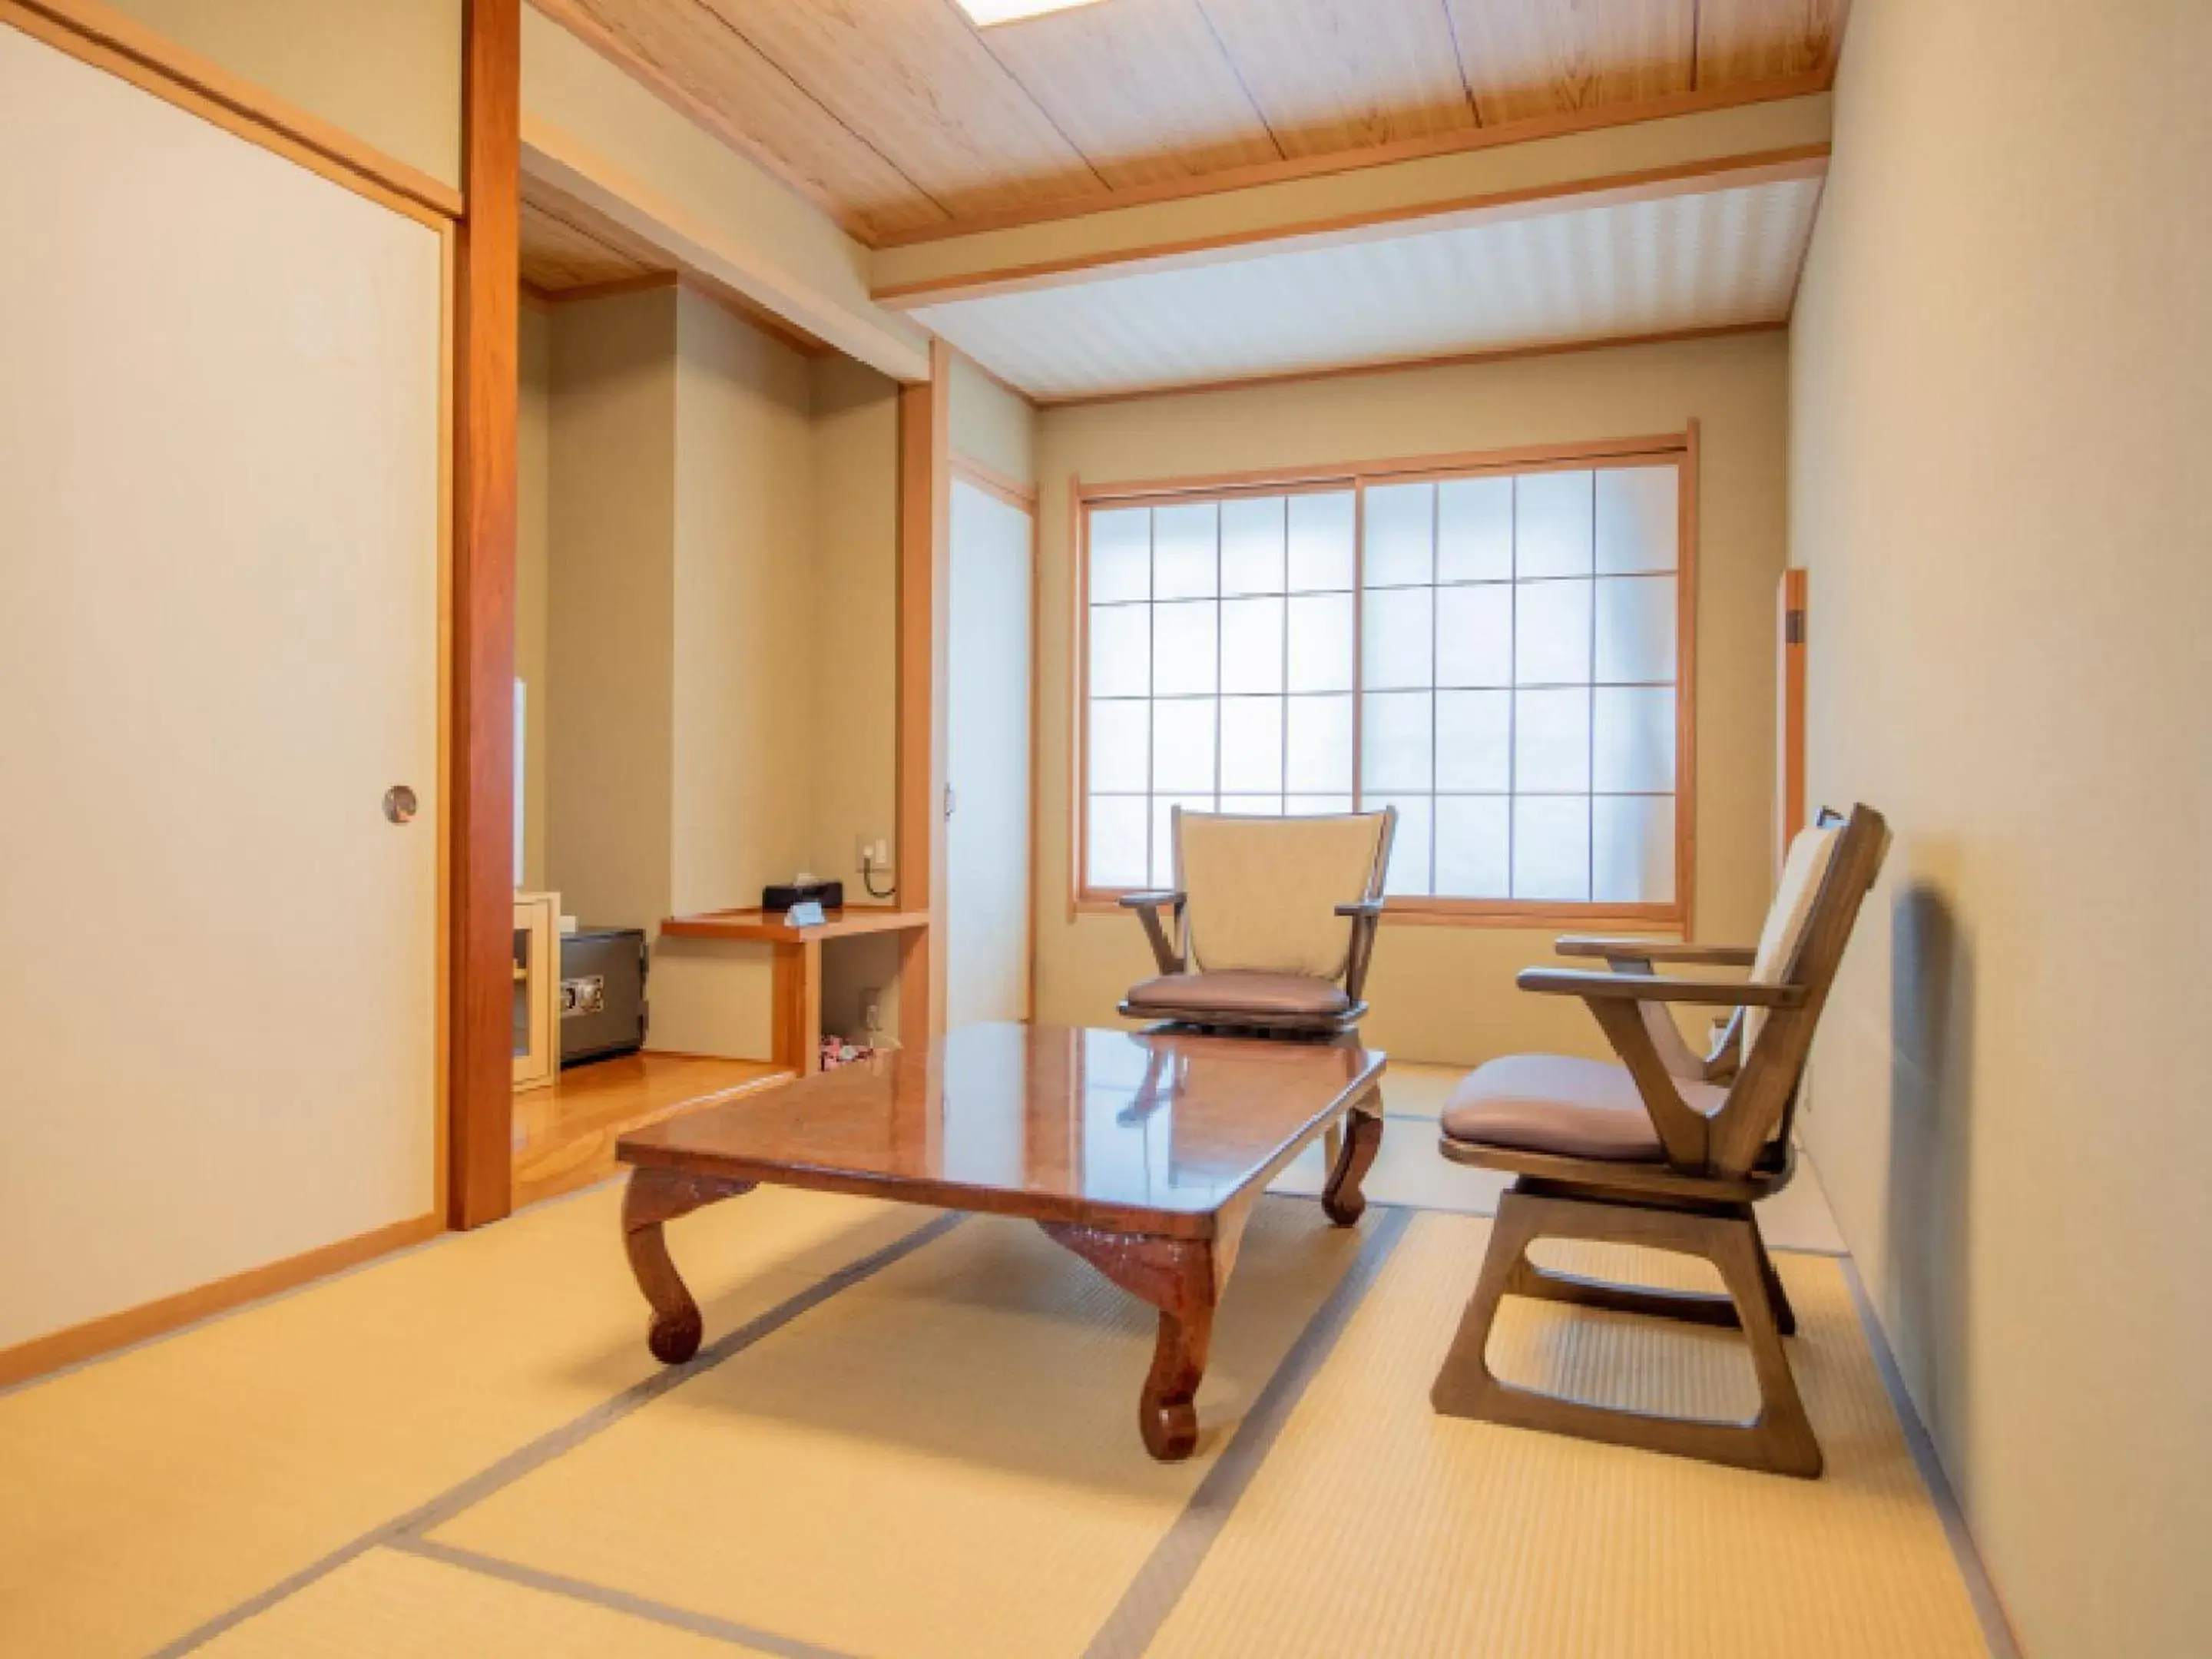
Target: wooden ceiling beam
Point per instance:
(1720, 151)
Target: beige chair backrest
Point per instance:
(1802, 871)
(1263, 891)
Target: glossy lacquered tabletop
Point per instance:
(1045, 1121)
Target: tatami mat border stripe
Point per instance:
(1167, 1572)
(549, 1446)
(1490, 1214)
(637, 1606)
(1996, 1629)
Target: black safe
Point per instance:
(603, 1006)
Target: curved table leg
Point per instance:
(654, 1196)
(1178, 1276)
(1341, 1200)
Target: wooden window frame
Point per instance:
(1679, 448)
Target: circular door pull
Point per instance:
(399, 802)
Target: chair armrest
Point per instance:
(1365, 916)
(1361, 908)
(1644, 950)
(1649, 987)
(1151, 901)
(1167, 955)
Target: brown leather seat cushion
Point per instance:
(1223, 996)
(1569, 1108)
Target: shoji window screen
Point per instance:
(1499, 651)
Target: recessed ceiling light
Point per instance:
(988, 12)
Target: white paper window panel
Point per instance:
(1314, 806)
(1400, 535)
(1398, 635)
(1635, 628)
(1475, 635)
(1474, 740)
(1252, 544)
(1317, 758)
(1397, 740)
(1551, 524)
(1474, 847)
(1409, 872)
(1632, 849)
(1164, 807)
(1552, 741)
(1115, 849)
(1633, 739)
(1185, 547)
(1251, 646)
(1182, 743)
(1121, 555)
(1252, 745)
(1321, 527)
(1551, 633)
(1638, 517)
(1253, 807)
(1121, 650)
(1551, 848)
(1183, 646)
(1474, 530)
(1319, 630)
(1120, 746)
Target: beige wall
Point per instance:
(852, 596)
(533, 484)
(721, 604)
(741, 707)
(387, 72)
(1446, 994)
(611, 633)
(2003, 382)
(991, 423)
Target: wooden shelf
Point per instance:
(770, 926)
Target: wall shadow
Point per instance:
(1932, 1011)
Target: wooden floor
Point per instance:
(565, 1134)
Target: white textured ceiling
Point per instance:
(1684, 261)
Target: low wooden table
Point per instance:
(1141, 1152)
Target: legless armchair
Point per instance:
(1271, 923)
(1667, 1149)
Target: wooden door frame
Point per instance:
(481, 786)
(925, 593)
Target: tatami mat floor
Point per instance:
(913, 1435)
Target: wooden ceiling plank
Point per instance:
(1142, 87)
(558, 256)
(1526, 59)
(1749, 40)
(693, 61)
(1340, 75)
(912, 78)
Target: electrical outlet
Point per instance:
(872, 853)
(872, 1010)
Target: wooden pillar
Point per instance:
(924, 599)
(481, 791)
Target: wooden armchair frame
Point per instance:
(1696, 1199)
(1171, 950)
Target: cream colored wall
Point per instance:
(611, 633)
(741, 698)
(593, 132)
(2002, 383)
(1446, 992)
(992, 424)
(533, 485)
(850, 597)
(387, 72)
(724, 606)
